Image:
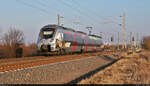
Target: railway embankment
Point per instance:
(133, 69)
(56, 73)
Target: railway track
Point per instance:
(24, 63)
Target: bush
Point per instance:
(29, 50)
(1, 52)
(8, 51)
(146, 43)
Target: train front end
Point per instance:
(46, 41)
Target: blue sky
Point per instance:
(102, 15)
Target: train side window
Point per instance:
(68, 37)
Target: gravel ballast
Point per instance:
(58, 73)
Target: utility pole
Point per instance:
(112, 41)
(118, 40)
(137, 40)
(58, 17)
(124, 30)
(102, 37)
(131, 40)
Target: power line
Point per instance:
(41, 3)
(45, 5)
(79, 6)
(97, 21)
(93, 12)
(77, 10)
(33, 6)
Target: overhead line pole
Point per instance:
(58, 19)
(137, 40)
(131, 40)
(118, 40)
(124, 30)
(112, 40)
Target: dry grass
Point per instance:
(8, 51)
(1, 51)
(29, 50)
(134, 69)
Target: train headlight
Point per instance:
(52, 40)
(44, 47)
(53, 45)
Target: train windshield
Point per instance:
(47, 33)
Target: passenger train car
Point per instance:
(54, 38)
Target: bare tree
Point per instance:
(11, 39)
(13, 36)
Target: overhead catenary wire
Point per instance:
(50, 13)
(93, 12)
(47, 6)
(87, 16)
(41, 2)
(79, 11)
(37, 5)
(34, 7)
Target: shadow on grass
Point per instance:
(91, 73)
(106, 57)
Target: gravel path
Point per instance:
(58, 73)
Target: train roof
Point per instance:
(81, 32)
(69, 29)
(50, 26)
(61, 27)
(95, 36)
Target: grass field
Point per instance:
(133, 69)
